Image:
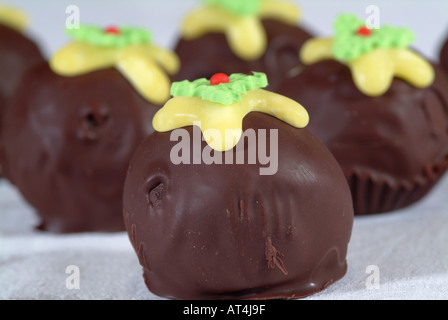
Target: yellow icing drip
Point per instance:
(13, 18)
(287, 12)
(412, 67)
(374, 72)
(145, 66)
(222, 125)
(245, 34)
(316, 50)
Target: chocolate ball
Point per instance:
(211, 54)
(67, 145)
(224, 231)
(393, 148)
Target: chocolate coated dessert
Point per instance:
(209, 54)
(73, 124)
(392, 148)
(444, 57)
(17, 54)
(380, 107)
(222, 230)
(241, 37)
(68, 142)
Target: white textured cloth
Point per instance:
(408, 248)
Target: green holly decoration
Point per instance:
(117, 37)
(352, 38)
(220, 89)
(240, 7)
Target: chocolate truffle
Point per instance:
(389, 133)
(222, 230)
(444, 57)
(68, 139)
(265, 39)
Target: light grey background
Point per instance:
(408, 246)
(427, 18)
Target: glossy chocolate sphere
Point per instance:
(224, 231)
(67, 145)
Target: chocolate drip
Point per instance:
(273, 257)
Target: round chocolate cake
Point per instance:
(392, 147)
(279, 62)
(444, 57)
(210, 52)
(73, 124)
(68, 142)
(222, 230)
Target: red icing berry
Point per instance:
(112, 30)
(364, 32)
(219, 78)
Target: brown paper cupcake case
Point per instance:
(372, 195)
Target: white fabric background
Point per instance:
(408, 246)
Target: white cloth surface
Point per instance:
(409, 246)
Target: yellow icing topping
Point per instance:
(145, 65)
(245, 34)
(13, 18)
(221, 125)
(287, 12)
(374, 72)
(315, 50)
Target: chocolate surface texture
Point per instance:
(68, 142)
(211, 54)
(223, 231)
(444, 57)
(17, 54)
(392, 148)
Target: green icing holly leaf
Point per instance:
(224, 93)
(240, 7)
(117, 37)
(352, 38)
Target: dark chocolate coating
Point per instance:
(444, 57)
(211, 54)
(68, 142)
(392, 148)
(2, 102)
(223, 231)
(17, 54)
